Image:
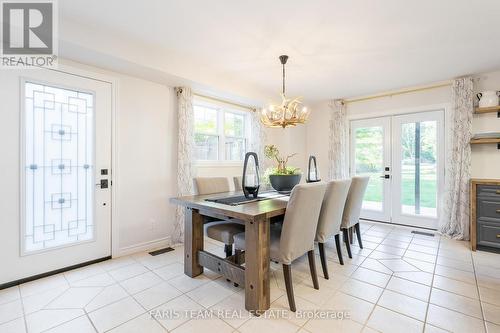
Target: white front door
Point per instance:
(56, 149)
(403, 156)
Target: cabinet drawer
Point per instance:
(489, 190)
(488, 208)
(488, 234)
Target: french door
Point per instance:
(403, 156)
(371, 157)
(57, 147)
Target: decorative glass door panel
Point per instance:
(59, 167)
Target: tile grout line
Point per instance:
(91, 322)
(478, 292)
(432, 285)
(24, 312)
(84, 312)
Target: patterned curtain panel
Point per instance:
(337, 153)
(258, 138)
(455, 215)
(185, 155)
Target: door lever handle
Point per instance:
(103, 183)
(385, 176)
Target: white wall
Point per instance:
(146, 160)
(317, 134)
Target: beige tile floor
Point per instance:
(399, 282)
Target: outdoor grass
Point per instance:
(427, 189)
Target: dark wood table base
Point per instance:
(254, 276)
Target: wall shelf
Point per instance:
(488, 110)
(486, 141)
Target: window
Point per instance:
(220, 133)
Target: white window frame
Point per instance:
(222, 109)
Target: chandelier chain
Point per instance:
(283, 79)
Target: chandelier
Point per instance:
(289, 113)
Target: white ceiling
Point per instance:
(336, 48)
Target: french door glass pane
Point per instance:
(59, 167)
(369, 161)
(419, 168)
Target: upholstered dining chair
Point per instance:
(330, 219)
(296, 237)
(221, 231)
(352, 210)
(237, 183)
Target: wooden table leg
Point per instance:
(257, 287)
(193, 242)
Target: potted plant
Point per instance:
(282, 177)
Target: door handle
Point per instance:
(385, 176)
(497, 192)
(103, 183)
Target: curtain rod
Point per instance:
(215, 99)
(398, 92)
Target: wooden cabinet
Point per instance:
(485, 213)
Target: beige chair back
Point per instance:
(237, 183)
(301, 221)
(209, 185)
(354, 201)
(332, 209)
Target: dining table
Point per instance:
(256, 215)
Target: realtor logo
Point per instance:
(28, 33)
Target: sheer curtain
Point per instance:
(337, 152)
(185, 155)
(455, 215)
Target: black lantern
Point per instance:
(250, 180)
(312, 171)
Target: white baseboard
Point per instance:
(142, 247)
